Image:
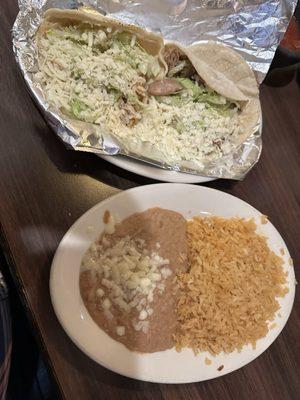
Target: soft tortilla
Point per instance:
(222, 69)
(225, 66)
(227, 73)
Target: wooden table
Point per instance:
(44, 188)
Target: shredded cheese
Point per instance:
(99, 77)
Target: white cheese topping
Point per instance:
(101, 77)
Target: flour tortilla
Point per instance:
(227, 73)
(151, 42)
(222, 69)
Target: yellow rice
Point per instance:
(229, 294)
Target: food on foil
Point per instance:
(188, 104)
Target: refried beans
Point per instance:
(127, 279)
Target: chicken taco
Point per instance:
(184, 104)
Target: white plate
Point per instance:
(167, 366)
(153, 172)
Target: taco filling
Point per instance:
(96, 76)
(104, 76)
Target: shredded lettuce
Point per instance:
(132, 98)
(225, 110)
(204, 94)
(195, 90)
(77, 73)
(153, 68)
(179, 67)
(128, 54)
(115, 92)
(76, 107)
(70, 34)
(214, 98)
(143, 67)
(180, 127)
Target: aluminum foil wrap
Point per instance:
(253, 28)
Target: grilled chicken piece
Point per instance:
(164, 87)
(173, 57)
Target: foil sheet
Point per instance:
(253, 28)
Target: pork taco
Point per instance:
(220, 91)
(182, 104)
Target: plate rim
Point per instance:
(130, 164)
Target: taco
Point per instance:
(219, 79)
(168, 102)
(94, 68)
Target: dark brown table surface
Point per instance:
(44, 188)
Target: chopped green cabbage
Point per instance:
(173, 71)
(76, 107)
(195, 90)
(77, 73)
(203, 93)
